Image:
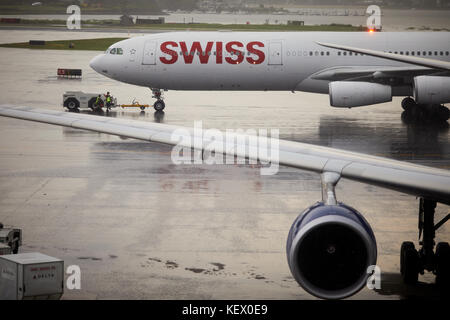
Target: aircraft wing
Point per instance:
(396, 175)
(363, 73)
(415, 60)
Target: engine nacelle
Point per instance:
(431, 90)
(348, 94)
(329, 249)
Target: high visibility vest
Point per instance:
(108, 99)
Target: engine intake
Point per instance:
(329, 249)
(347, 94)
(431, 90)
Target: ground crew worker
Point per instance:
(98, 102)
(108, 101)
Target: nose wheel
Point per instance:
(413, 262)
(159, 105)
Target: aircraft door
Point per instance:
(275, 53)
(149, 56)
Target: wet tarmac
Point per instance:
(141, 227)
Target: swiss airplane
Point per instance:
(331, 249)
(354, 68)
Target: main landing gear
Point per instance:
(159, 104)
(413, 262)
(418, 113)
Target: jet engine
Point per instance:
(431, 90)
(329, 249)
(347, 94)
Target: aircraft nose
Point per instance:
(96, 63)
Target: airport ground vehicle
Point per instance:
(31, 276)
(4, 249)
(11, 237)
(75, 100)
(135, 104)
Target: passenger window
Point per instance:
(446, 53)
(339, 53)
(345, 53)
(328, 53)
(310, 53)
(442, 53)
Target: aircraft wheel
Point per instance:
(142, 108)
(159, 105)
(409, 263)
(443, 264)
(443, 113)
(408, 103)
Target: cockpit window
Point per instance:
(115, 51)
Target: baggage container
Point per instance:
(28, 276)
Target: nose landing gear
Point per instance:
(159, 104)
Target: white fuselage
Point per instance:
(256, 60)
